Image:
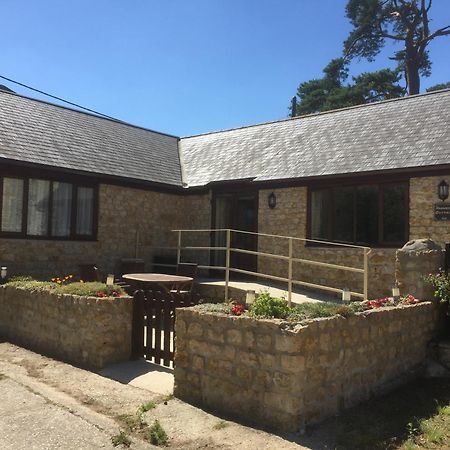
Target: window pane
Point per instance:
(38, 201)
(320, 209)
(394, 213)
(85, 211)
(12, 204)
(367, 214)
(343, 214)
(62, 209)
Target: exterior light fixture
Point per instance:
(396, 292)
(272, 200)
(110, 280)
(346, 295)
(4, 272)
(250, 298)
(443, 190)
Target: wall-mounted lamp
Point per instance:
(272, 200)
(4, 272)
(443, 190)
(346, 295)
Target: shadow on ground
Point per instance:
(384, 422)
(143, 374)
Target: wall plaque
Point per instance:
(442, 211)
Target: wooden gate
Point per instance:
(153, 334)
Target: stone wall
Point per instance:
(289, 219)
(87, 331)
(131, 222)
(288, 375)
(422, 198)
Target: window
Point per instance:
(47, 209)
(374, 214)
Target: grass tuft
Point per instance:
(121, 439)
(146, 407)
(156, 434)
(221, 425)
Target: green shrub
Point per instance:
(314, 310)
(77, 288)
(223, 308)
(156, 434)
(441, 283)
(30, 284)
(88, 288)
(270, 307)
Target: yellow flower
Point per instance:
(81, 281)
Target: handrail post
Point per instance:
(227, 263)
(366, 274)
(290, 273)
(179, 247)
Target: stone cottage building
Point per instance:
(78, 188)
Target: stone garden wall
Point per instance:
(87, 331)
(288, 375)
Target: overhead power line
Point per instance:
(59, 98)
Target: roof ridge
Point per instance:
(98, 116)
(331, 111)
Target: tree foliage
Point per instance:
(332, 91)
(438, 87)
(405, 22)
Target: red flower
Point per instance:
(101, 294)
(237, 309)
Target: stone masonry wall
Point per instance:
(87, 331)
(125, 215)
(288, 375)
(289, 219)
(422, 198)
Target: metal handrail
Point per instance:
(290, 259)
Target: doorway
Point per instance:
(238, 211)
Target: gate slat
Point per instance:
(153, 334)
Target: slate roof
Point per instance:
(43, 133)
(403, 133)
(412, 132)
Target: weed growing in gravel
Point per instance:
(121, 439)
(133, 422)
(156, 434)
(221, 425)
(146, 407)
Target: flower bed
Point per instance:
(67, 285)
(291, 373)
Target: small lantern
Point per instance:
(250, 298)
(396, 292)
(443, 190)
(4, 272)
(110, 279)
(272, 200)
(346, 295)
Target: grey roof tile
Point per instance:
(409, 132)
(42, 133)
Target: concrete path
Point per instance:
(47, 404)
(142, 374)
(275, 290)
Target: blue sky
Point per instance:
(183, 66)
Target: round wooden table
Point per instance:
(163, 280)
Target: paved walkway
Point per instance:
(47, 404)
(298, 296)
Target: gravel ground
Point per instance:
(47, 404)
